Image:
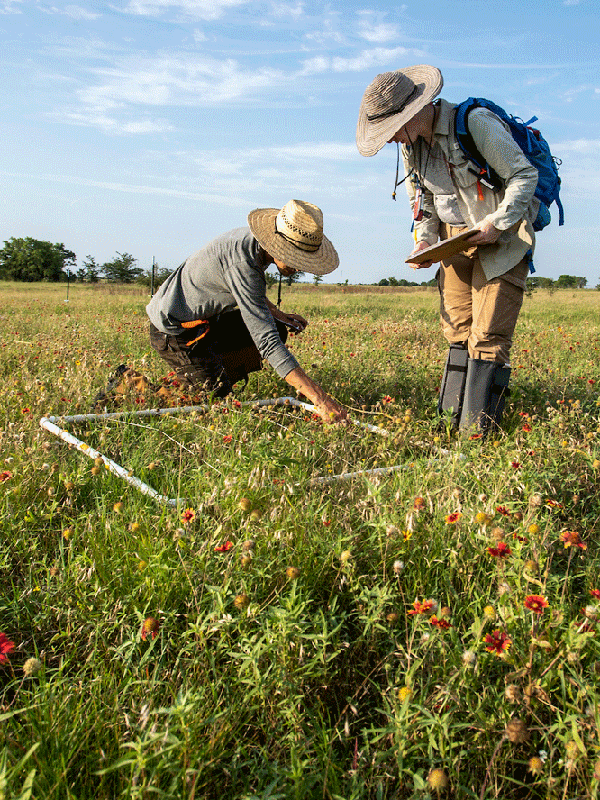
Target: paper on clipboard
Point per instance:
(445, 249)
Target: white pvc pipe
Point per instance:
(49, 424)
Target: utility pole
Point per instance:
(152, 279)
(68, 282)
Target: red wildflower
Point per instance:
(453, 518)
(25, 411)
(502, 551)
(419, 504)
(5, 476)
(515, 464)
(227, 439)
(223, 548)
(572, 539)
(503, 510)
(536, 603)
(6, 647)
(150, 627)
(553, 504)
(423, 608)
(188, 516)
(595, 593)
(442, 624)
(497, 642)
(474, 436)
(526, 428)
(387, 399)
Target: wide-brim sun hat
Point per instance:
(390, 101)
(294, 235)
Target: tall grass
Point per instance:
(427, 633)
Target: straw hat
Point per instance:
(390, 101)
(294, 235)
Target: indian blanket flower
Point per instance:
(502, 551)
(595, 593)
(423, 608)
(452, 519)
(572, 539)
(150, 627)
(188, 516)
(419, 503)
(6, 647)
(442, 624)
(536, 603)
(228, 439)
(503, 510)
(223, 548)
(497, 642)
(5, 475)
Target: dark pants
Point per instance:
(224, 355)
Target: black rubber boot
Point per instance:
(485, 395)
(452, 389)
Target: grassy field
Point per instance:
(431, 632)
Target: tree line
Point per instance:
(34, 260)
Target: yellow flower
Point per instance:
(489, 612)
(437, 779)
(535, 766)
(404, 693)
(533, 528)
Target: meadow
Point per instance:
(431, 632)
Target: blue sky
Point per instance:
(151, 126)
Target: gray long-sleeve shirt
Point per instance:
(226, 272)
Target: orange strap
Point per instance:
(194, 324)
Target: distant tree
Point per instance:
(294, 278)
(122, 269)
(272, 280)
(581, 283)
(160, 276)
(392, 281)
(317, 279)
(92, 269)
(567, 282)
(33, 260)
(383, 282)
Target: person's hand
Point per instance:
(424, 264)
(486, 234)
(331, 411)
(297, 321)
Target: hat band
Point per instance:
(299, 243)
(398, 110)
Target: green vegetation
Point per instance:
(430, 632)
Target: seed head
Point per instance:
(241, 602)
(437, 779)
(469, 658)
(292, 573)
(31, 667)
(512, 693)
(516, 731)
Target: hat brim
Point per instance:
(318, 262)
(372, 135)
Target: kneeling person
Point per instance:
(216, 302)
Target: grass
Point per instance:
(264, 644)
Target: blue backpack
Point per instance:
(533, 145)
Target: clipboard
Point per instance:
(445, 249)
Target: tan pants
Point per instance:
(474, 310)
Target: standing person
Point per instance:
(195, 325)
(481, 289)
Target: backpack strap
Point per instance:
(485, 174)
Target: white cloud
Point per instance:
(582, 146)
(74, 12)
(194, 9)
(175, 80)
(367, 60)
(10, 7)
(374, 30)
